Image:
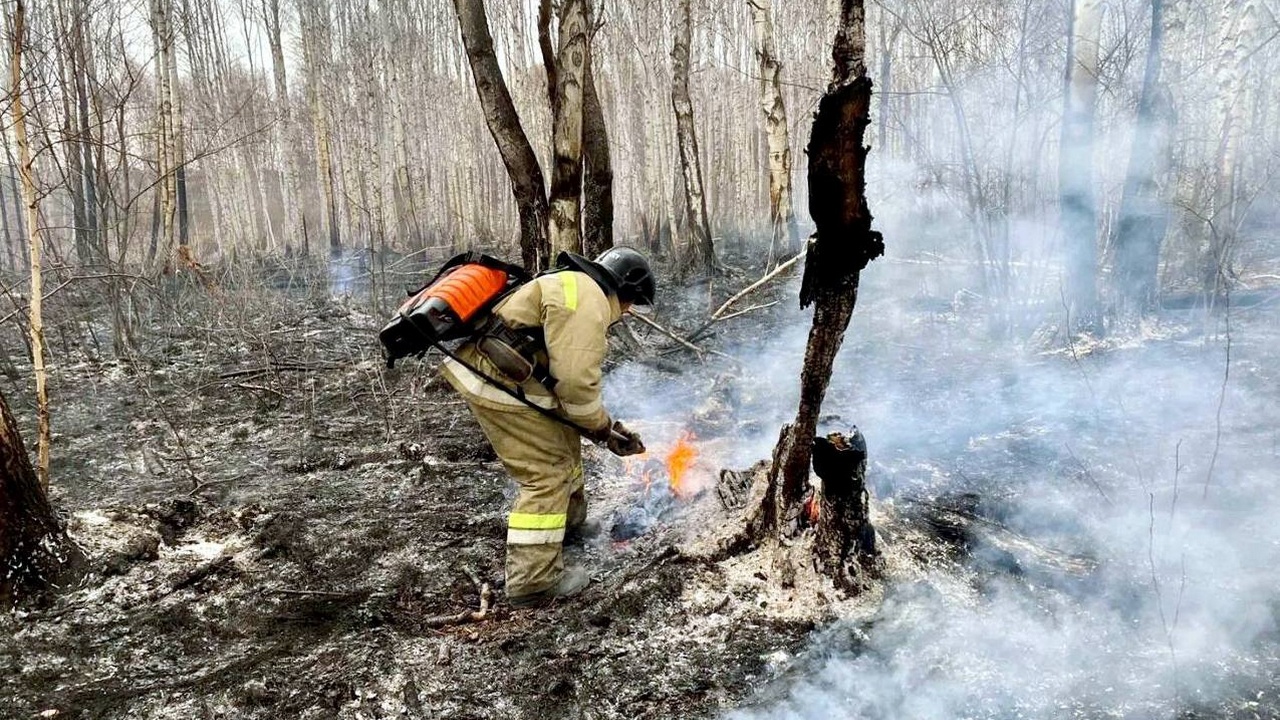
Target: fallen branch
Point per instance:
(466, 616)
(756, 285)
(283, 367)
(749, 310)
(688, 345)
(719, 314)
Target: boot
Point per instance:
(572, 581)
(582, 533)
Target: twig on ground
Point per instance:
(275, 368)
(1088, 475)
(466, 616)
(319, 593)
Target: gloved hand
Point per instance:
(620, 440)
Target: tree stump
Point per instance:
(845, 545)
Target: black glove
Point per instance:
(620, 441)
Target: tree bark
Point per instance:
(701, 249)
(162, 232)
(1075, 164)
(31, 201)
(1236, 45)
(785, 240)
(566, 177)
(1143, 218)
(315, 51)
(846, 541)
(597, 180)
(282, 129)
(844, 245)
(527, 184)
(35, 553)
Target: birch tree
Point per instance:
(785, 236)
(700, 250)
(1239, 22)
(31, 202)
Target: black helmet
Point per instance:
(631, 273)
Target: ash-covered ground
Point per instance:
(1072, 528)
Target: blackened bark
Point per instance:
(35, 553)
(597, 180)
(527, 182)
(846, 541)
(1143, 219)
(844, 244)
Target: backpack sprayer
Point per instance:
(457, 304)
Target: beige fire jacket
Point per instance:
(575, 314)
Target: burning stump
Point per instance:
(845, 545)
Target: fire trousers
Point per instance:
(545, 459)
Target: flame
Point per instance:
(812, 509)
(681, 458)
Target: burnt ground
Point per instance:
(276, 523)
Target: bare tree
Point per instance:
(782, 218)
(700, 249)
(1143, 218)
(1075, 163)
(30, 198)
(566, 177)
(527, 182)
(1237, 39)
(844, 245)
(597, 176)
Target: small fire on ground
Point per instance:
(676, 468)
(668, 476)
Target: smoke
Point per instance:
(1130, 457)
(1115, 454)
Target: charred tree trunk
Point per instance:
(597, 179)
(846, 541)
(566, 178)
(1143, 218)
(527, 183)
(35, 552)
(701, 249)
(844, 244)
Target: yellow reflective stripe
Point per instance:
(478, 387)
(516, 536)
(585, 408)
(570, 289)
(537, 521)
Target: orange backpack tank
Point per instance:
(451, 306)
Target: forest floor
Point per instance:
(276, 523)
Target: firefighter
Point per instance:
(568, 314)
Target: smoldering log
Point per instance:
(845, 544)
